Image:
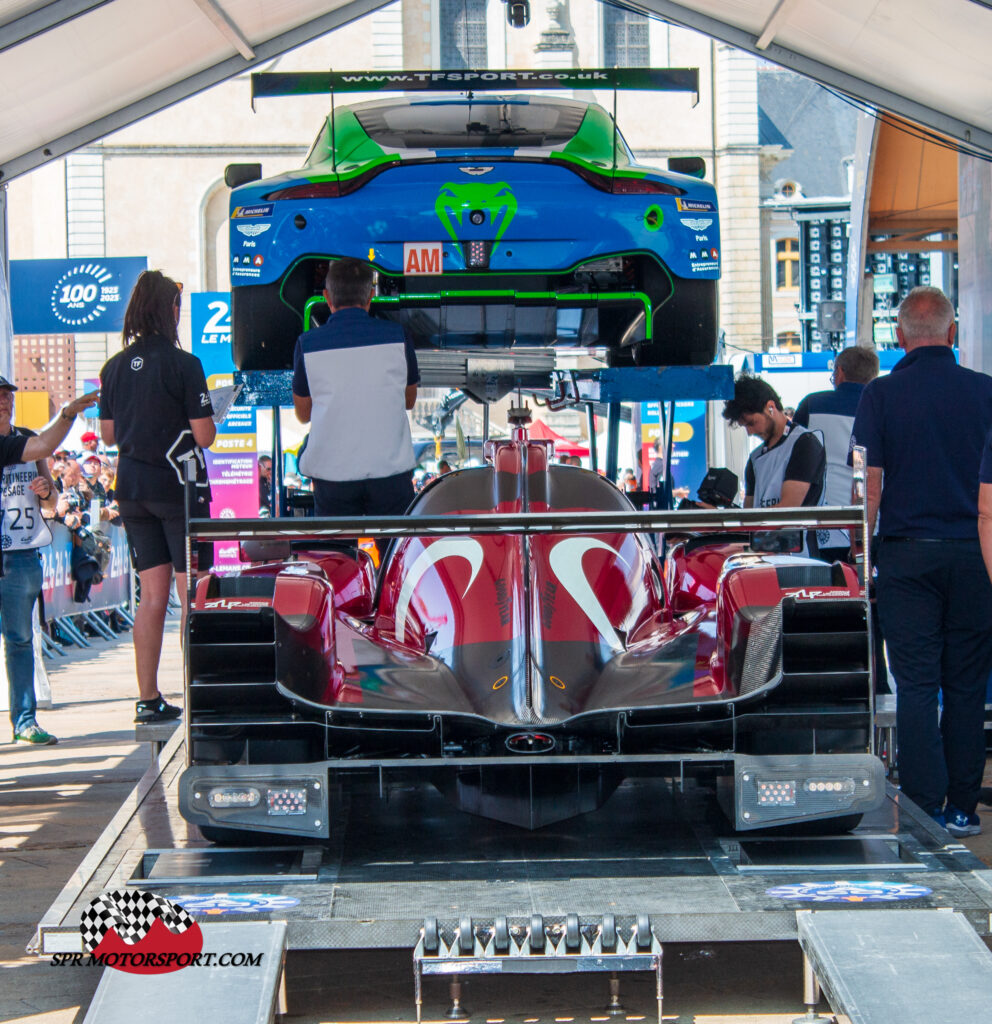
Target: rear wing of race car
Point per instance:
(310, 83)
(315, 83)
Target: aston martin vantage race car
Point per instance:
(526, 671)
(492, 220)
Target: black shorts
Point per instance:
(156, 535)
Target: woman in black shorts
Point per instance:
(154, 405)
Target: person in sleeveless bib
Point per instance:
(789, 468)
(25, 484)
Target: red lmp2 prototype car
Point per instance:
(526, 675)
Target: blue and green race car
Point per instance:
(493, 220)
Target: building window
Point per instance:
(463, 33)
(625, 38)
(786, 263)
(788, 341)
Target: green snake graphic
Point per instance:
(455, 198)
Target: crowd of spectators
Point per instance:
(85, 482)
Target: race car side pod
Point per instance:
(561, 945)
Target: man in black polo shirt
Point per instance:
(924, 428)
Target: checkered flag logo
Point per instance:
(130, 913)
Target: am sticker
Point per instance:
(422, 258)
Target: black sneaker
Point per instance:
(155, 710)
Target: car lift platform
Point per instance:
(655, 848)
(878, 966)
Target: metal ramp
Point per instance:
(239, 993)
(897, 966)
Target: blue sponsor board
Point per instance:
(849, 892)
(236, 903)
(77, 296)
(232, 461)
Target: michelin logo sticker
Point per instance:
(259, 210)
(692, 205)
(849, 892)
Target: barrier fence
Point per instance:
(58, 585)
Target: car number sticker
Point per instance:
(849, 892)
(423, 258)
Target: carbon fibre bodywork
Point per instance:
(525, 676)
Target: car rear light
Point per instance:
(607, 182)
(477, 254)
(291, 800)
(234, 796)
(836, 787)
(328, 189)
(776, 793)
(644, 186)
(311, 190)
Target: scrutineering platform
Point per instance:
(400, 857)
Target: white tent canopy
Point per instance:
(73, 71)
(928, 61)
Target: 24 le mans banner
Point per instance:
(232, 461)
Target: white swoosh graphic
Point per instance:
(462, 547)
(566, 563)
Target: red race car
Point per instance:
(526, 672)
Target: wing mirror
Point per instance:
(241, 174)
(778, 542)
(694, 166)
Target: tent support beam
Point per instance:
(44, 19)
(264, 51)
(861, 89)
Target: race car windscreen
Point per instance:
(473, 125)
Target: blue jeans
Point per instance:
(20, 586)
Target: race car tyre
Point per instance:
(243, 837)
(685, 328)
(263, 328)
(817, 827)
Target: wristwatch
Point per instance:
(65, 417)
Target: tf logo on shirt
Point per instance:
(137, 362)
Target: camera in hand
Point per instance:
(719, 488)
